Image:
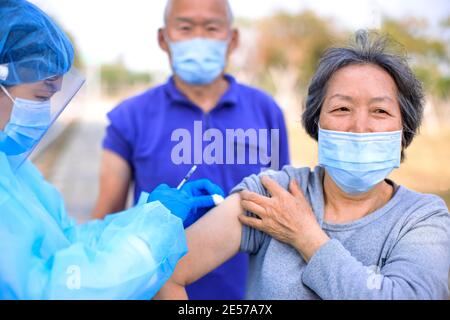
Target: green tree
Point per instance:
(115, 77)
(294, 43)
(429, 56)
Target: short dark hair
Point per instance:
(368, 47)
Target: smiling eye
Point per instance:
(381, 111)
(342, 109)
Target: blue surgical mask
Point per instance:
(198, 61)
(28, 122)
(358, 161)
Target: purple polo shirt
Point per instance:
(161, 134)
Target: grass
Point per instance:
(425, 169)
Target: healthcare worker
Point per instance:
(43, 253)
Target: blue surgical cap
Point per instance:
(32, 46)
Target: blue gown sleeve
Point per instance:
(129, 255)
(45, 255)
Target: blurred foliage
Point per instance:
(116, 77)
(292, 44)
(295, 43)
(429, 56)
(446, 22)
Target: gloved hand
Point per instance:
(191, 202)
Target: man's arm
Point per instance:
(212, 240)
(115, 178)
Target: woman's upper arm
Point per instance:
(212, 240)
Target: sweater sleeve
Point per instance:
(417, 267)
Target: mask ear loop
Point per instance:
(317, 123)
(7, 93)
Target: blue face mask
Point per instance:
(358, 161)
(198, 61)
(28, 122)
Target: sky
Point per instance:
(105, 30)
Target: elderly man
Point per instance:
(150, 136)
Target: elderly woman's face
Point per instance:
(361, 99)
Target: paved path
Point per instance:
(75, 172)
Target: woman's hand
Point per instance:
(286, 216)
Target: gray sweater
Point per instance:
(400, 251)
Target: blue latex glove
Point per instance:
(191, 202)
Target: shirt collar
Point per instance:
(229, 98)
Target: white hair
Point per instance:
(169, 4)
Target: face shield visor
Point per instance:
(37, 78)
(30, 109)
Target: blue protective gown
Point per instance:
(45, 255)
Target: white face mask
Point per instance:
(28, 122)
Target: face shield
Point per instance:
(35, 108)
(37, 78)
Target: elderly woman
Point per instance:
(342, 230)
